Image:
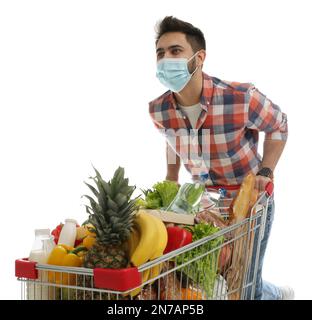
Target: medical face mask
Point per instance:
(173, 72)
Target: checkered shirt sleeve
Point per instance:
(264, 115)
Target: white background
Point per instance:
(75, 81)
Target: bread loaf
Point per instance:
(240, 206)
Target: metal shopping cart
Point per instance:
(222, 266)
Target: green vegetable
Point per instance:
(140, 202)
(161, 196)
(203, 271)
(194, 193)
(187, 199)
(153, 200)
(167, 191)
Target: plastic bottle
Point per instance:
(42, 246)
(210, 197)
(68, 233)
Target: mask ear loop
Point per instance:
(192, 56)
(190, 60)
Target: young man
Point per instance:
(212, 126)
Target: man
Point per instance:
(222, 120)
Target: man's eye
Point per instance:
(160, 55)
(175, 51)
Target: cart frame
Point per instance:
(243, 238)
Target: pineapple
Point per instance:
(112, 214)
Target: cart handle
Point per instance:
(269, 188)
(26, 269)
(117, 279)
(114, 279)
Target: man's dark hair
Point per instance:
(193, 35)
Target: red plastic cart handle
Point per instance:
(113, 279)
(117, 279)
(269, 188)
(26, 269)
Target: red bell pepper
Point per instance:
(57, 231)
(177, 238)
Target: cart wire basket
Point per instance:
(222, 266)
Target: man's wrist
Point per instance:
(265, 172)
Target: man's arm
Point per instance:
(264, 115)
(173, 164)
(272, 151)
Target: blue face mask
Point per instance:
(173, 73)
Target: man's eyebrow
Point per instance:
(175, 46)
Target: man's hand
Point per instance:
(261, 183)
(272, 151)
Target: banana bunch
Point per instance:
(147, 242)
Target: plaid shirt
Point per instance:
(227, 130)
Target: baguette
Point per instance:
(239, 208)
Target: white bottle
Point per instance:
(68, 233)
(42, 247)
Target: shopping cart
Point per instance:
(222, 266)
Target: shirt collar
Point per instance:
(206, 96)
(207, 92)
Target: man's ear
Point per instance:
(201, 56)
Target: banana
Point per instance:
(147, 242)
(145, 277)
(155, 271)
(133, 241)
(148, 238)
(162, 240)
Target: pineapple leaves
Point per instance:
(97, 173)
(89, 211)
(118, 181)
(92, 202)
(112, 205)
(119, 174)
(111, 210)
(107, 188)
(94, 191)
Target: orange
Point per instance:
(89, 241)
(189, 294)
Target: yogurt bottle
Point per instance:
(42, 247)
(68, 233)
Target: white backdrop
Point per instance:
(75, 81)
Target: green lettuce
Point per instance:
(153, 200)
(161, 195)
(167, 191)
(203, 271)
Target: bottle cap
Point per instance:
(42, 232)
(222, 192)
(71, 221)
(204, 176)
